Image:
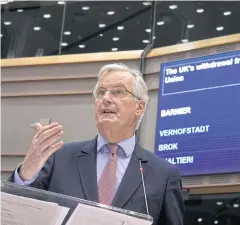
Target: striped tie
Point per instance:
(107, 180)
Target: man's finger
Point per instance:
(50, 141)
(48, 134)
(45, 128)
(51, 149)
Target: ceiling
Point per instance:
(38, 28)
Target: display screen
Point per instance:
(198, 120)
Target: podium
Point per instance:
(98, 213)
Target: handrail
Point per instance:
(117, 56)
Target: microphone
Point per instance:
(143, 183)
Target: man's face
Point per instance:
(118, 112)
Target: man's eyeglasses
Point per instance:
(116, 92)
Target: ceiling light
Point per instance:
(81, 46)
(147, 3)
(215, 222)
(200, 10)
(61, 2)
(148, 30)
(235, 205)
(190, 26)
(7, 23)
(199, 220)
(67, 33)
(36, 28)
(64, 44)
(173, 6)
(219, 28)
(154, 37)
(227, 13)
(184, 40)
(20, 10)
(114, 49)
(101, 35)
(110, 12)
(120, 27)
(85, 8)
(115, 38)
(47, 16)
(145, 41)
(102, 25)
(1, 35)
(160, 23)
(219, 203)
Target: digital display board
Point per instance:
(198, 120)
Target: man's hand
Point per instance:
(42, 147)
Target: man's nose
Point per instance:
(107, 96)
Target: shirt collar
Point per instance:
(127, 145)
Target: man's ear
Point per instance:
(140, 107)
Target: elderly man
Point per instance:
(107, 168)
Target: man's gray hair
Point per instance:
(140, 88)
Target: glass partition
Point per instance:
(44, 28)
(211, 209)
(30, 28)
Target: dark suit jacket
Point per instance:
(72, 171)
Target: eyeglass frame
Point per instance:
(124, 88)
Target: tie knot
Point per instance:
(113, 148)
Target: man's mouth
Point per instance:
(108, 112)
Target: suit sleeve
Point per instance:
(43, 178)
(173, 205)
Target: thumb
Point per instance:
(36, 126)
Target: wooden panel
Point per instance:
(48, 78)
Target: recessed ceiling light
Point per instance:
(110, 12)
(147, 3)
(115, 38)
(184, 40)
(101, 35)
(7, 23)
(219, 28)
(215, 222)
(148, 30)
(173, 6)
(219, 203)
(235, 205)
(85, 8)
(154, 37)
(120, 27)
(36, 28)
(145, 41)
(199, 220)
(200, 10)
(227, 13)
(114, 49)
(47, 16)
(67, 33)
(64, 44)
(190, 26)
(61, 2)
(160, 23)
(20, 10)
(1, 35)
(81, 46)
(102, 25)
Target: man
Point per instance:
(108, 168)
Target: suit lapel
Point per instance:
(132, 178)
(86, 163)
